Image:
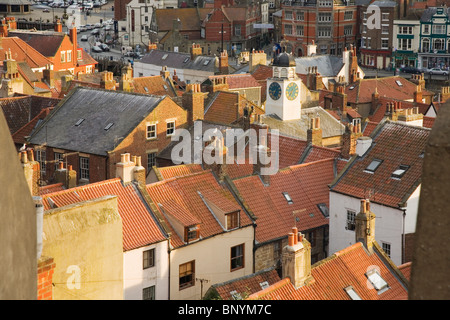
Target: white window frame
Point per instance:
(171, 129)
(151, 134)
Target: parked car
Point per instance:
(90, 26)
(95, 31)
(83, 28)
(84, 38)
(104, 47)
(45, 10)
(98, 25)
(438, 71)
(410, 69)
(96, 49)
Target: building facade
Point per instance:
(330, 24)
(405, 42)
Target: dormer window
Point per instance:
(398, 174)
(352, 293)
(232, 220)
(191, 233)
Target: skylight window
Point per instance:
(374, 165)
(206, 63)
(79, 122)
(399, 83)
(146, 89)
(324, 209)
(109, 126)
(400, 171)
(352, 87)
(377, 281)
(288, 197)
(264, 285)
(352, 293)
(235, 295)
(164, 57)
(186, 60)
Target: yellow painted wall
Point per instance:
(85, 240)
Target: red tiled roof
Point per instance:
(178, 171)
(184, 192)
(428, 122)
(22, 52)
(395, 144)
(153, 85)
(320, 153)
(380, 111)
(139, 228)
(406, 270)
(238, 81)
(306, 184)
(247, 285)
(223, 108)
(51, 188)
(332, 275)
(370, 126)
(362, 90)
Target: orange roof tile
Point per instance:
(153, 85)
(223, 108)
(428, 122)
(178, 171)
(238, 81)
(332, 275)
(406, 270)
(187, 192)
(51, 188)
(139, 228)
(395, 144)
(306, 184)
(22, 52)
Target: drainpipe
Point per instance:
(403, 235)
(39, 224)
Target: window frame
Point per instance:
(63, 56)
(152, 294)
(148, 261)
(84, 171)
(232, 220)
(58, 157)
(172, 129)
(147, 131)
(375, 166)
(188, 273)
(237, 255)
(350, 222)
(41, 157)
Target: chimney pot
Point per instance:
(294, 232)
(290, 239)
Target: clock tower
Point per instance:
(283, 89)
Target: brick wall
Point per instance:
(46, 268)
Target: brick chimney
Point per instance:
(31, 170)
(107, 81)
(445, 94)
(139, 170)
(223, 62)
(353, 65)
(193, 101)
(66, 176)
(375, 100)
(365, 225)
(262, 152)
(45, 269)
(152, 46)
(349, 138)
(410, 116)
(418, 79)
(314, 133)
(196, 50)
(257, 57)
(219, 83)
(58, 26)
(73, 38)
(418, 94)
(48, 76)
(339, 100)
(296, 259)
(126, 80)
(3, 28)
(164, 73)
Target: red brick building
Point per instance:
(330, 24)
(93, 127)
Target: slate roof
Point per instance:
(139, 226)
(186, 193)
(47, 43)
(330, 126)
(99, 108)
(327, 65)
(20, 110)
(395, 144)
(306, 184)
(179, 60)
(341, 270)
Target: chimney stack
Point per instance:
(139, 171)
(296, 259)
(314, 133)
(196, 50)
(58, 26)
(365, 225)
(263, 154)
(126, 81)
(107, 81)
(349, 138)
(164, 73)
(31, 170)
(418, 94)
(130, 169)
(66, 176)
(256, 58)
(223, 62)
(193, 100)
